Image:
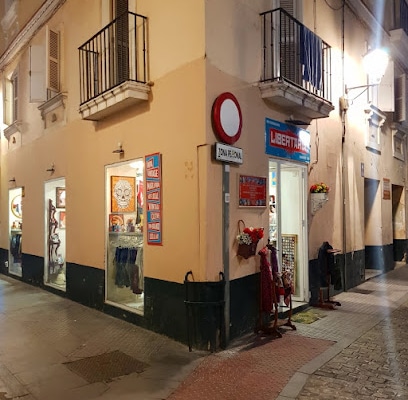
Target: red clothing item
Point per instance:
(266, 282)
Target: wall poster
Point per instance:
(123, 194)
(252, 191)
(153, 198)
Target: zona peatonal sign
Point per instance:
(227, 153)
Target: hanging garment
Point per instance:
(122, 261)
(311, 57)
(139, 279)
(266, 282)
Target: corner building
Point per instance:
(113, 111)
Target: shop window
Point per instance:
(15, 231)
(55, 234)
(124, 222)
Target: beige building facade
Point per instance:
(112, 193)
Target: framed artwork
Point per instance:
(116, 222)
(61, 220)
(60, 197)
(123, 194)
(16, 208)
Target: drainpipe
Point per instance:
(343, 145)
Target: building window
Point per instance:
(10, 106)
(375, 121)
(398, 150)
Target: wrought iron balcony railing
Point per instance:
(294, 54)
(114, 55)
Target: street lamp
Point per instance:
(375, 63)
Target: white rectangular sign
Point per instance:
(226, 153)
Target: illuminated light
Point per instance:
(375, 63)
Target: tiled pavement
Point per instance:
(324, 360)
(356, 351)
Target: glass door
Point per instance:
(287, 226)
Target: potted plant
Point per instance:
(248, 240)
(319, 195)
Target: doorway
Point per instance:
(55, 233)
(15, 231)
(287, 230)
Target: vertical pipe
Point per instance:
(343, 172)
(225, 246)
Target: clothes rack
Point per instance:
(270, 284)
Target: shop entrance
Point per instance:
(287, 221)
(15, 231)
(124, 236)
(55, 228)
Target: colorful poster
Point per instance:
(153, 198)
(122, 194)
(286, 141)
(252, 191)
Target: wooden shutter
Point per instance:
(14, 99)
(386, 96)
(37, 74)
(400, 99)
(7, 101)
(53, 63)
(289, 6)
(121, 6)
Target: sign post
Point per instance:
(227, 122)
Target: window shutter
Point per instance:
(37, 74)
(289, 6)
(386, 95)
(14, 106)
(7, 102)
(401, 99)
(53, 62)
(121, 6)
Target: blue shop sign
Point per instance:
(286, 141)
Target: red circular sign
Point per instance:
(227, 118)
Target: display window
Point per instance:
(287, 222)
(124, 226)
(55, 230)
(15, 231)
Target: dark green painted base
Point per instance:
(86, 285)
(379, 257)
(3, 258)
(244, 305)
(199, 325)
(400, 249)
(33, 269)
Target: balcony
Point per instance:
(113, 68)
(296, 74)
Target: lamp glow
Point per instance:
(375, 63)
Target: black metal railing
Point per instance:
(116, 54)
(294, 54)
